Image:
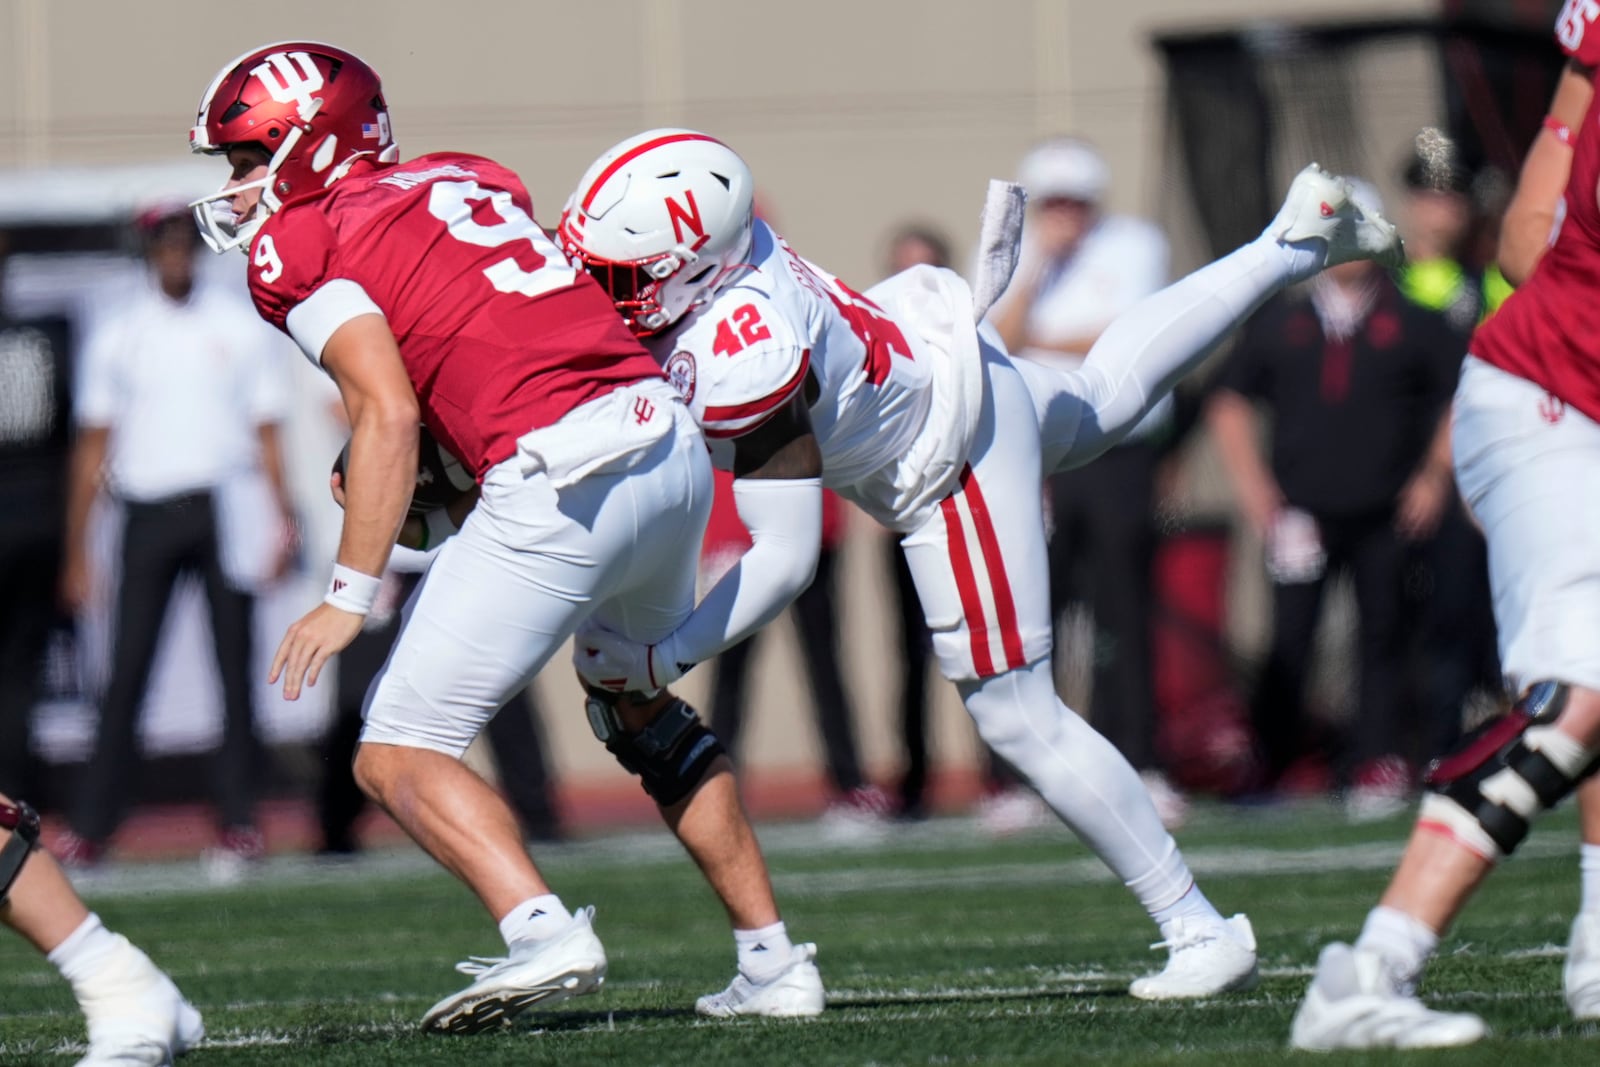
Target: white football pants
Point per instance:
(529, 565)
(1529, 467)
(980, 565)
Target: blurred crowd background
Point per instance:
(1270, 592)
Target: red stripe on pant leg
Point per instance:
(1005, 608)
(967, 587)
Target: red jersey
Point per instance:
(499, 333)
(1548, 330)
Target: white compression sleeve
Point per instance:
(784, 518)
(1153, 344)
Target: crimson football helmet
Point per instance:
(662, 221)
(313, 108)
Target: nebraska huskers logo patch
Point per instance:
(680, 372)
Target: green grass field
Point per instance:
(939, 946)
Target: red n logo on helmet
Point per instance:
(690, 217)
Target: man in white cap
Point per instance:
(1081, 268)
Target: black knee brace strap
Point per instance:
(1488, 791)
(23, 822)
(670, 755)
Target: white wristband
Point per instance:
(350, 590)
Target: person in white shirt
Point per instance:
(1080, 268)
(133, 1011)
(180, 394)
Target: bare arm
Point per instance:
(1525, 231)
(781, 447)
(272, 465)
(365, 363)
(83, 484)
(1011, 318)
(1233, 425)
(1426, 493)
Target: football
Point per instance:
(441, 477)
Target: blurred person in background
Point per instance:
(1455, 646)
(35, 444)
(909, 246)
(178, 404)
(1357, 382)
(1527, 451)
(856, 807)
(134, 1013)
(1080, 268)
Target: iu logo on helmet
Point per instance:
(285, 83)
(687, 216)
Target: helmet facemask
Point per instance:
(651, 293)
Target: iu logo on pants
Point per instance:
(643, 411)
(1551, 408)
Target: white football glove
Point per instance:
(607, 660)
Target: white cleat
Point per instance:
(1352, 1003)
(1204, 959)
(136, 1016)
(1326, 206)
(1580, 978)
(793, 992)
(571, 964)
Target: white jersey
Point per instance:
(896, 406)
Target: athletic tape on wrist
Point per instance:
(350, 590)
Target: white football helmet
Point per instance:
(662, 221)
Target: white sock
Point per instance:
(1192, 908)
(1405, 945)
(86, 950)
(1083, 778)
(763, 953)
(1589, 869)
(535, 919)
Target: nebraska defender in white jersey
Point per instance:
(898, 402)
(787, 326)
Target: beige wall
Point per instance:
(855, 115)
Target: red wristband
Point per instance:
(1562, 131)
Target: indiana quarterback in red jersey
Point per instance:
(1526, 442)
(427, 292)
(896, 400)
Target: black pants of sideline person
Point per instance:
(1372, 553)
(161, 543)
(916, 650)
(1457, 648)
(514, 738)
(816, 621)
(1102, 551)
(29, 567)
